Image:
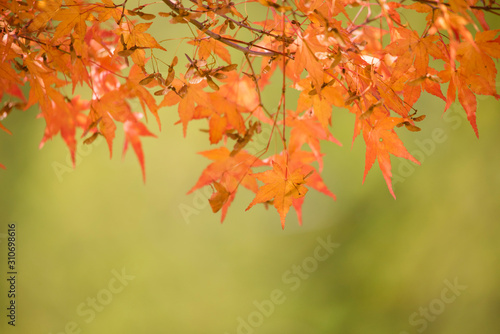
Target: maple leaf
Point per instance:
(134, 89)
(430, 82)
(307, 130)
(476, 65)
(47, 11)
(219, 198)
(5, 129)
(209, 46)
(320, 105)
(237, 166)
(469, 79)
(225, 116)
(301, 160)
(381, 140)
(241, 91)
(133, 131)
(193, 95)
(224, 195)
(281, 186)
(108, 10)
(136, 39)
(413, 50)
(230, 171)
(305, 58)
(56, 44)
(61, 116)
(72, 18)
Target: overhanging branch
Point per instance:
(175, 7)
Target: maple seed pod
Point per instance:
(366, 114)
(183, 91)
(161, 92)
(174, 62)
(147, 80)
(220, 76)
(351, 99)
(223, 28)
(145, 16)
(91, 139)
(190, 72)
(170, 78)
(92, 125)
(416, 81)
(125, 53)
(434, 78)
(212, 84)
(163, 14)
(412, 128)
(229, 68)
(419, 118)
(159, 79)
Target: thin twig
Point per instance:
(217, 37)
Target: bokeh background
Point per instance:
(184, 272)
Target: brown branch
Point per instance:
(175, 7)
(434, 2)
(241, 23)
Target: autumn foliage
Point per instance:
(363, 57)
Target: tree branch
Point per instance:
(490, 9)
(243, 25)
(175, 7)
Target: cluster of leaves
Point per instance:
(353, 54)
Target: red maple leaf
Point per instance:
(133, 131)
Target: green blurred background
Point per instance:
(390, 272)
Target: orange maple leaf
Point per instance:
(229, 171)
(218, 198)
(136, 40)
(381, 140)
(194, 95)
(301, 160)
(207, 47)
(430, 82)
(72, 18)
(413, 50)
(307, 129)
(144, 96)
(224, 165)
(305, 58)
(282, 186)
